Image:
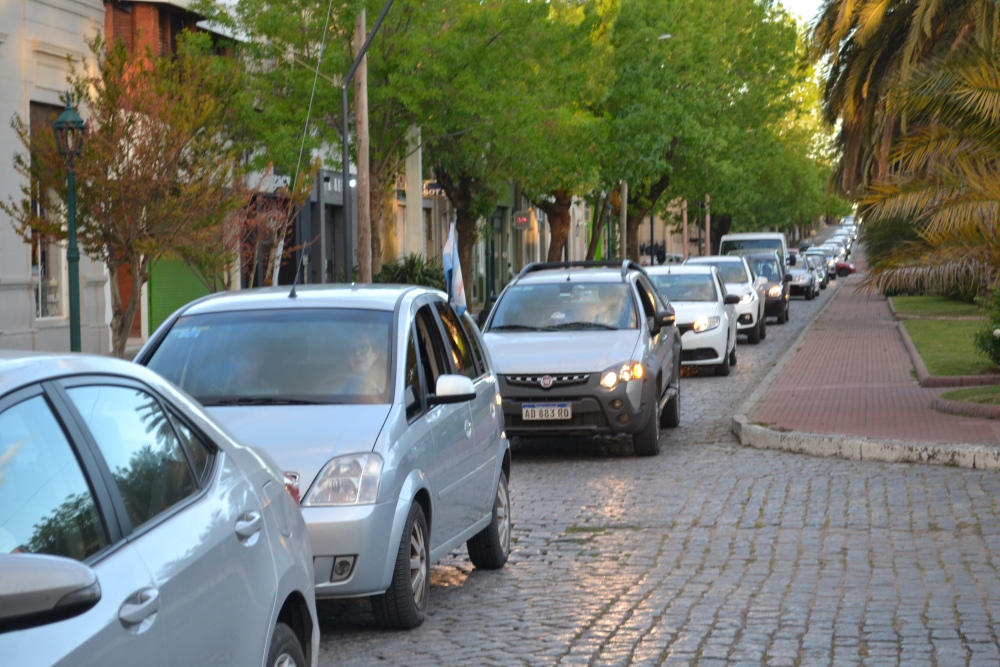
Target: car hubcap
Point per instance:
(418, 565)
(503, 517)
(285, 660)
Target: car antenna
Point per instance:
(298, 269)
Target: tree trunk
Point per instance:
(461, 193)
(379, 185)
(123, 315)
(559, 222)
(597, 227)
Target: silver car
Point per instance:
(382, 402)
(133, 529)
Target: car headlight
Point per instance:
(746, 298)
(774, 291)
(631, 370)
(347, 480)
(705, 323)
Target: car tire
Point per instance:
(723, 368)
(753, 335)
(763, 326)
(809, 293)
(671, 415)
(843, 273)
(782, 316)
(647, 441)
(285, 649)
(732, 356)
(403, 605)
(490, 547)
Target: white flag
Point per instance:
(453, 272)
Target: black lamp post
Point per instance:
(70, 128)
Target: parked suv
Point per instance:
(776, 288)
(586, 348)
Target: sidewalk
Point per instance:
(848, 388)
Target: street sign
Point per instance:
(523, 219)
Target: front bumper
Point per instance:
(799, 289)
(773, 307)
(706, 348)
(361, 531)
(595, 410)
(746, 315)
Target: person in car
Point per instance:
(357, 378)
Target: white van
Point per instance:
(742, 243)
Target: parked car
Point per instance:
(382, 402)
(740, 280)
(775, 284)
(818, 266)
(134, 529)
(699, 298)
(586, 348)
(829, 259)
(803, 282)
(745, 242)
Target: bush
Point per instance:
(412, 270)
(988, 337)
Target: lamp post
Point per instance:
(69, 129)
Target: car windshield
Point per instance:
(730, 245)
(768, 268)
(691, 287)
(731, 272)
(279, 357)
(565, 305)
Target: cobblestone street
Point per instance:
(713, 554)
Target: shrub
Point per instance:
(412, 270)
(988, 337)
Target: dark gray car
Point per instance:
(586, 348)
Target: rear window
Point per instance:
(564, 306)
(279, 356)
(731, 272)
(730, 246)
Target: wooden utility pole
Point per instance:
(708, 226)
(361, 137)
(623, 223)
(684, 237)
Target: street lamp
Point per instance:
(70, 128)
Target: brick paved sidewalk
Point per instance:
(851, 375)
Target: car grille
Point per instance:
(557, 380)
(700, 354)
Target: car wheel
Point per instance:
(404, 604)
(723, 368)
(285, 651)
(647, 441)
(490, 547)
(732, 356)
(753, 336)
(763, 326)
(843, 273)
(671, 415)
(809, 293)
(782, 316)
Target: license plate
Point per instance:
(533, 411)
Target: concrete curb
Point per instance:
(966, 409)
(975, 457)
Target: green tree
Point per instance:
(156, 168)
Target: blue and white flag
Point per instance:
(453, 272)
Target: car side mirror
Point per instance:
(452, 389)
(663, 318)
(37, 589)
(731, 300)
(787, 278)
(791, 260)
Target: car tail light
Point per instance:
(292, 485)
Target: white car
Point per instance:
(741, 281)
(704, 310)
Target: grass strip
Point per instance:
(934, 306)
(946, 346)
(985, 395)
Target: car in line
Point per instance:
(586, 348)
(381, 401)
(803, 282)
(705, 311)
(741, 281)
(818, 266)
(134, 528)
(827, 257)
(775, 287)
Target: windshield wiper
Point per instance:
(581, 325)
(258, 400)
(514, 327)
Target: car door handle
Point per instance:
(147, 603)
(249, 525)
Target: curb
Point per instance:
(974, 457)
(965, 409)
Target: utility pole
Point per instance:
(708, 224)
(623, 222)
(361, 134)
(684, 237)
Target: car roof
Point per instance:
(705, 259)
(354, 295)
(682, 269)
(19, 368)
(571, 274)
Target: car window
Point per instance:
(686, 287)
(198, 452)
(477, 349)
(46, 504)
(430, 348)
(768, 268)
(732, 272)
(566, 305)
(460, 347)
(323, 355)
(138, 442)
(414, 383)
